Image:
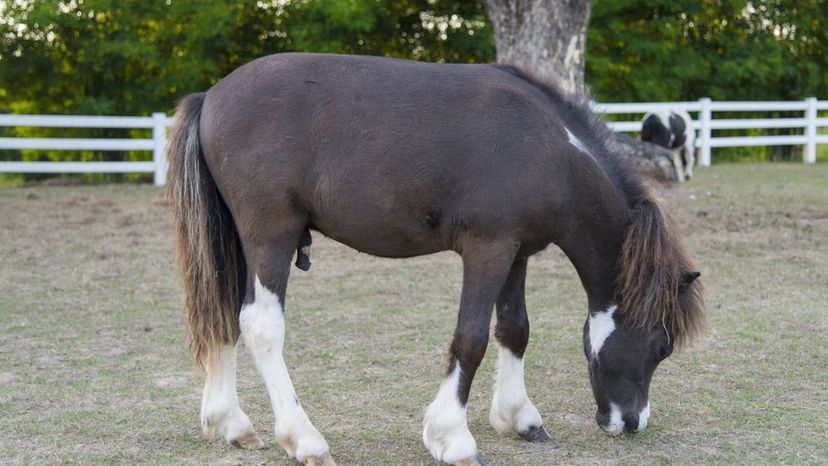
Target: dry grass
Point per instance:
(94, 368)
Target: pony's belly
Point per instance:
(386, 243)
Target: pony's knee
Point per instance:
(469, 347)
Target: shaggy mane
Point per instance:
(653, 273)
(654, 266)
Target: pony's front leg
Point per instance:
(262, 324)
(689, 158)
(445, 430)
(220, 411)
(678, 166)
(511, 411)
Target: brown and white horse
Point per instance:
(398, 159)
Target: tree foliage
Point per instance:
(120, 57)
(132, 58)
(661, 50)
(452, 31)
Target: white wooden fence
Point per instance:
(705, 122)
(158, 122)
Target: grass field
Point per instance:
(94, 368)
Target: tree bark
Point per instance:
(548, 38)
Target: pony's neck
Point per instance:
(594, 247)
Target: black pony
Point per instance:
(398, 159)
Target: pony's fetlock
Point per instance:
(234, 426)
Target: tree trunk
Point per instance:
(548, 38)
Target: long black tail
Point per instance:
(210, 257)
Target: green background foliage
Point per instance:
(133, 58)
(666, 50)
(117, 57)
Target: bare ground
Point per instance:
(94, 368)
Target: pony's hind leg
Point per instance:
(511, 411)
(445, 430)
(262, 324)
(220, 411)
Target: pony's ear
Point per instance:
(687, 278)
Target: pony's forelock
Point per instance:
(653, 268)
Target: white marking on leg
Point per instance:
(643, 417)
(511, 410)
(615, 426)
(678, 166)
(263, 328)
(220, 411)
(577, 142)
(690, 154)
(689, 142)
(601, 326)
(445, 430)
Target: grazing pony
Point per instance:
(398, 158)
(674, 131)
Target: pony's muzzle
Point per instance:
(613, 430)
(629, 424)
(610, 424)
(614, 424)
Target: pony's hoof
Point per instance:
(325, 459)
(536, 434)
(475, 460)
(248, 441)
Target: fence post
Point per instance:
(810, 130)
(705, 115)
(159, 156)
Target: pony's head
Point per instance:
(658, 306)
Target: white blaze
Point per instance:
(664, 117)
(601, 326)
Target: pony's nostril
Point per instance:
(631, 423)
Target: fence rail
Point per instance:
(158, 123)
(704, 122)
